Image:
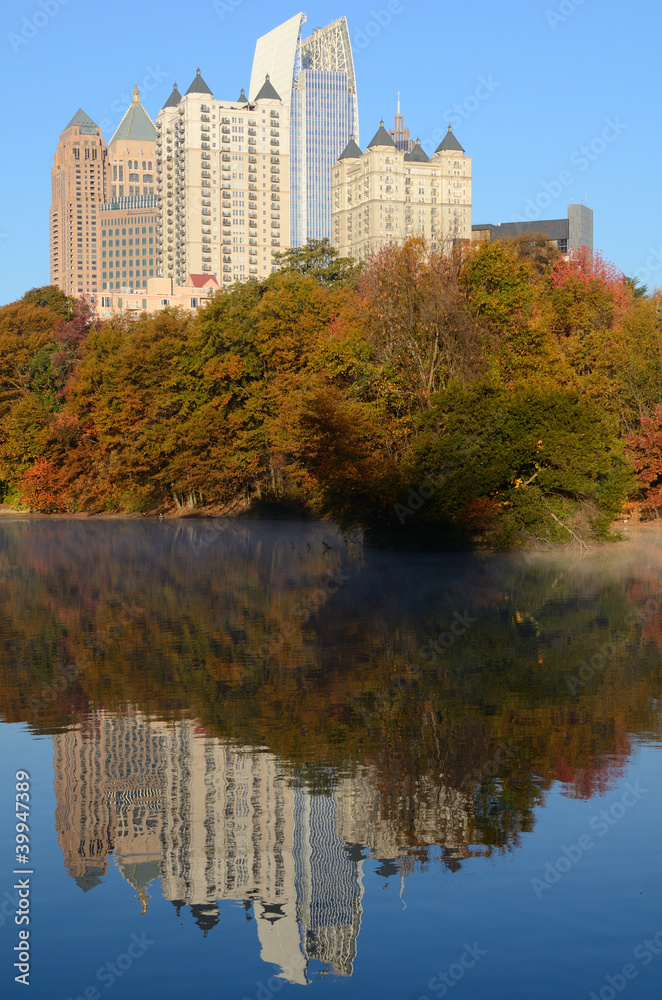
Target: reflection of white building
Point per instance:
(220, 822)
(215, 822)
(430, 813)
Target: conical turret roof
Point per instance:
(242, 99)
(268, 92)
(449, 142)
(381, 137)
(136, 123)
(351, 151)
(84, 123)
(199, 86)
(174, 98)
(417, 154)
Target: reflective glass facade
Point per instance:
(315, 78)
(323, 117)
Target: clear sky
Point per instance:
(556, 100)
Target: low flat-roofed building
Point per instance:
(568, 234)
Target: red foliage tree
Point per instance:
(645, 454)
(39, 487)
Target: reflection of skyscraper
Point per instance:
(108, 794)
(328, 884)
(315, 78)
(215, 822)
(219, 822)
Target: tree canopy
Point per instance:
(492, 395)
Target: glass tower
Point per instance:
(315, 77)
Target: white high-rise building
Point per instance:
(223, 184)
(316, 81)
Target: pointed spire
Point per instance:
(83, 123)
(242, 97)
(449, 143)
(136, 123)
(417, 155)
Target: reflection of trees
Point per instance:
(219, 621)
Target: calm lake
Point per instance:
(247, 760)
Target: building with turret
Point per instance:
(222, 184)
(386, 195)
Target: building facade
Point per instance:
(77, 193)
(160, 294)
(316, 80)
(222, 184)
(567, 234)
(103, 205)
(386, 195)
(128, 218)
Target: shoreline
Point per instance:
(622, 529)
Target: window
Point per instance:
(106, 302)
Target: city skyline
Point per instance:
(551, 138)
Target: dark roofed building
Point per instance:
(568, 234)
(417, 155)
(83, 123)
(351, 151)
(174, 98)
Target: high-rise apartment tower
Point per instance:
(223, 183)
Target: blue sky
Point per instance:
(557, 101)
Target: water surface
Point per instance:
(263, 760)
